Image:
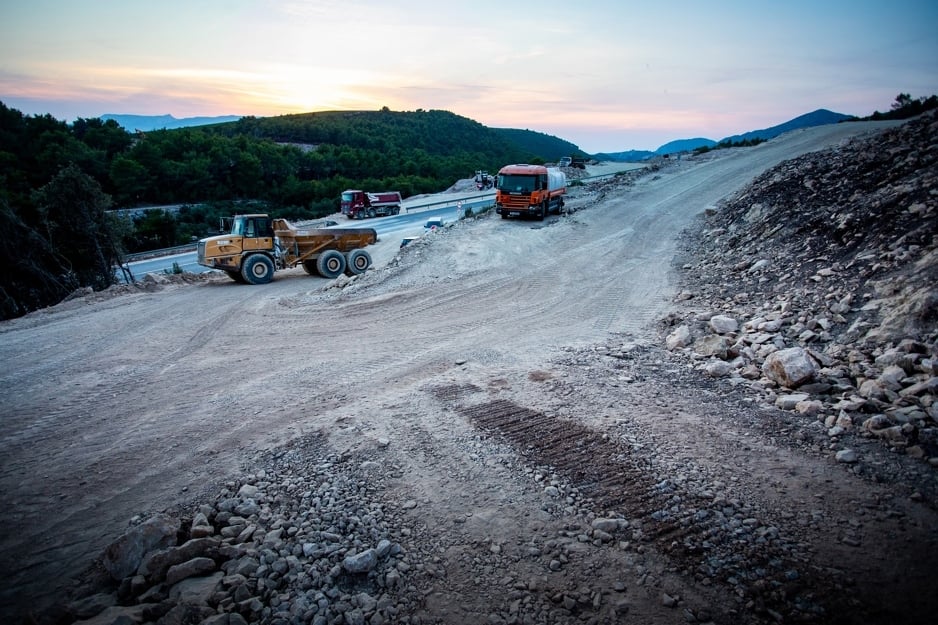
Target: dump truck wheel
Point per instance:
(310, 267)
(330, 264)
(234, 275)
(371, 212)
(358, 262)
(396, 211)
(257, 269)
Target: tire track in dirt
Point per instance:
(620, 482)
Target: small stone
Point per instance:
(248, 491)
(847, 456)
(722, 324)
(361, 562)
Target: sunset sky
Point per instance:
(607, 75)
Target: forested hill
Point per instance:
(547, 147)
(396, 141)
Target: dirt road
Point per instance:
(143, 402)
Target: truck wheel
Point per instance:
(371, 212)
(544, 211)
(310, 267)
(234, 275)
(257, 269)
(396, 211)
(330, 264)
(358, 262)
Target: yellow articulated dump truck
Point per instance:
(257, 245)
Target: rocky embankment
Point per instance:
(816, 287)
(302, 540)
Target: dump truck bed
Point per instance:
(299, 245)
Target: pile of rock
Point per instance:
(817, 287)
(303, 542)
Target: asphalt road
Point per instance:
(417, 212)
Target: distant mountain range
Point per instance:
(819, 117)
(538, 143)
(132, 123)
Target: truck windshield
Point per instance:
(512, 183)
(347, 197)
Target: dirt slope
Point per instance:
(125, 406)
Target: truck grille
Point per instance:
(515, 201)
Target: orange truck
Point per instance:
(529, 190)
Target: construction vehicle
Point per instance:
(360, 204)
(533, 190)
(257, 245)
(483, 180)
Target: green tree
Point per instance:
(130, 178)
(155, 229)
(32, 278)
(903, 100)
(73, 210)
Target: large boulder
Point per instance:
(124, 555)
(790, 367)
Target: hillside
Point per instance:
(819, 117)
(835, 253)
(547, 147)
(435, 133)
(537, 145)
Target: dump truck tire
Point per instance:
(357, 262)
(310, 267)
(330, 264)
(257, 269)
(371, 212)
(234, 275)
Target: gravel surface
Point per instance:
(488, 428)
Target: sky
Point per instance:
(606, 75)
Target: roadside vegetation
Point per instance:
(904, 107)
(729, 144)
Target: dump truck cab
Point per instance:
(249, 237)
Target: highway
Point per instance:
(417, 212)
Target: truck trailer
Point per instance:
(257, 245)
(358, 204)
(529, 190)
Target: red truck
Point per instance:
(360, 204)
(529, 190)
